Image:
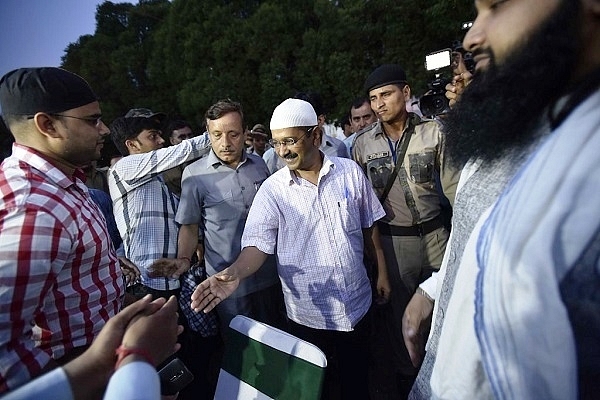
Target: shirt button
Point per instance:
(247, 207)
(243, 187)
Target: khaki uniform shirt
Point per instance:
(416, 179)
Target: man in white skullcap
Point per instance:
(297, 211)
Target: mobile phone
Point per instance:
(174, 377)
(438, 59)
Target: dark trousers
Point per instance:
(347, 372)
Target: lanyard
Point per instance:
(392, 148)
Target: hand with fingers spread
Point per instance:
(218, 287)
(213, 290)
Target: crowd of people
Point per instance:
(107, 275)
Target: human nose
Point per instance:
(376, 102)
(281, 149)
(226, 141)
(474, 38)
(104, 131)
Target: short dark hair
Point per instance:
(177, 124)
(6, 140)
(314, 99)
(344, 120)
(222, 107)
(123, 129)
(358, 102)
(10, 119)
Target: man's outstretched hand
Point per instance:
(214, 290)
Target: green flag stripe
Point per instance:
(275, 373)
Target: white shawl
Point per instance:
(535, 233)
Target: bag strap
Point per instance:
(400, 158)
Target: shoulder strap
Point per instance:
(399, 159)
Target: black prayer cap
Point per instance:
(386, 74)
(26, 91)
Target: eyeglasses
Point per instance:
(92, 120)
(289, 141)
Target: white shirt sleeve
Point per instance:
(430, 285)
(51, 386)
(137, 380)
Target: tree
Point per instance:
(181, 56)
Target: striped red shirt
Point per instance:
(59, 275)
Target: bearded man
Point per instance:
(517, 308)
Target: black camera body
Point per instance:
(435, 101)
(442, 62)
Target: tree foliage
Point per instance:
(180, 56)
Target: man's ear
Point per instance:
(318, 135)
(406, 91)
(46, 125)
(132, 145)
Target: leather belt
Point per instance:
(416, 230)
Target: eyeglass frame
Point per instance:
(92, 120)
(289, 142)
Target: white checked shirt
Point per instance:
(144, 207)
(318, 234)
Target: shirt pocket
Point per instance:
(379, 171)
(421, 166)
(349, 213)
(220, 205)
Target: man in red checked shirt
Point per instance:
(59, 275)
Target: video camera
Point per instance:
(443, 62)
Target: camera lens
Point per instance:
(438, 104)
(434, 104)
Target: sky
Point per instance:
(35, 33)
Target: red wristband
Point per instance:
(123, 352)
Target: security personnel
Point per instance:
(402, 157)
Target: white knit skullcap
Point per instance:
(293, 113)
